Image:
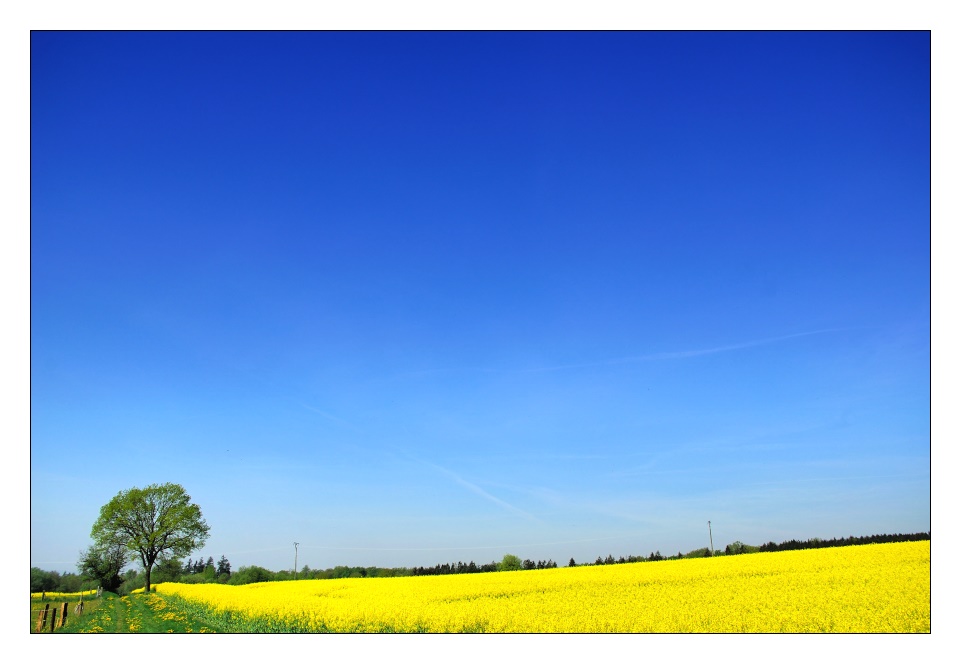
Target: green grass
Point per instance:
(136, 613)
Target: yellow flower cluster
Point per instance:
(871, 588)
(94, 626)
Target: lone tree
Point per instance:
(509, 563)
(157, 522)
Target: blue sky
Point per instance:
(410, 298)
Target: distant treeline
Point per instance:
(738, 548)
(347, 572)
(818, 543)
(206, 571)
(471, 568)
(455, 568)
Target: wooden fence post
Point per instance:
(42, 618)
(53, 618)
(63, 615)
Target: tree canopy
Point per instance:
(509, 563)
(154, 523)
(104, 563)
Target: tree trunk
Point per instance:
(146, 575)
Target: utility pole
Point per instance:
(711, 536)
(295, 559)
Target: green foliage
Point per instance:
(192, 578)
(41, 581)
(151, 523)
(103, 564)
(169, 570)
(70, 583)
(251, 574)
(131, 582)
(738, 548)
(223, 567)
(509, 563)
(66, 582)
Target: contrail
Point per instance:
(674, 355)
(330, 417)
(833, 479)
(650, 357)
(470, 486)
(479, 491)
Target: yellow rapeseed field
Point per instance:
(53, 596)
(870, 588)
